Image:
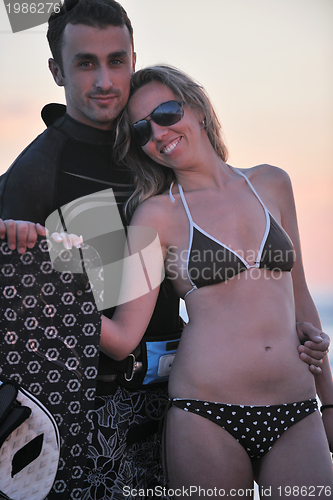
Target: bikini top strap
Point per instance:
(172, 198)
(250, 185)
(187, 210)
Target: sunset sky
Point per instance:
(268, 68)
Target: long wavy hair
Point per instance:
(151, 178)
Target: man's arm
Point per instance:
(27, 189)
(306, 309)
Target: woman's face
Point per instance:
(174, 145)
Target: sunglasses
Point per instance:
(167, 113)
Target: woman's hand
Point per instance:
(69, 240)
(21, 234)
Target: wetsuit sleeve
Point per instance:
(27, 189)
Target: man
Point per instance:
(93, 59)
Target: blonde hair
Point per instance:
(150, 178)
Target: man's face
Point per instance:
(97, 67)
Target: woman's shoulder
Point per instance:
(153, 210)
(268, 177)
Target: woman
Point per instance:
(242, 403)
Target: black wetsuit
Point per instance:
(67, 161)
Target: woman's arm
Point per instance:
(143, 272)
(304, 306)
(122, 334)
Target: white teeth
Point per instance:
(170, 147)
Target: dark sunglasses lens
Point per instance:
(141, 132)
(168, 113)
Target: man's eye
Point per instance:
(85, 64)
(116, 62)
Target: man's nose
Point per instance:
(103, 78)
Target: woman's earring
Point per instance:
(203, 123)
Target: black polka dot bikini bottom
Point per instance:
(256, 428)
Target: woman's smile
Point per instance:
(169, 148)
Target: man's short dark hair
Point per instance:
(100, 13)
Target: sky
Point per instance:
(267, 66)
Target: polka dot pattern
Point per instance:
(256, 428)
